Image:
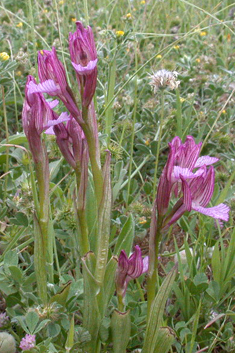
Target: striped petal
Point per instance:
(220, 211)
(205, 160)
(48, 86)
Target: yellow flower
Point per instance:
(147, 142)
(142, 2)
(45, 11)
(224, 111)
(128, 15)
(18, 73)
(4, 56)
(182, 99)
(176, 47)
(159, 56)
(19, 25)
(120, 33)
(203, 33)
(142, 220)
(73, 19)
(61, 2)
(198, 60)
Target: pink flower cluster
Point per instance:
(38, 114)
(187, 177)
(28, 342)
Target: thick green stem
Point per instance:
(42, 255)
(155, 239)
(96, 169)
(121, 306)
(40, 261)
(159, 141)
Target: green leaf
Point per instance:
(31, 320)
(224, 192)
(41, 326)
(125, 238)
(18, 139)
(121, 330)
(21, 320)
(91, 312)
(70, 338)
(20, 219)
(104, 224)
(11, 258)
(157, 310)
(62, 296)
(216, 263)
(53, 329)
(16, 273)
(164, 341)
(142, 148)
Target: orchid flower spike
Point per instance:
(53, 81)
(129, 268)
(84, 60)
(183, 159)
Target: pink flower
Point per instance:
(129, 268)
(197, 194)
(27, 342)
(84, 60)
(183, 159)
(37, 115)
(53, 80)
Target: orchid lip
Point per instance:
(85, 70)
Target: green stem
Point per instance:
(96, 170)
(178, 114)
(155, 237)
(121, 306)
(43, 252)
(159, 142)
(133, 129)
(86, 12)
(84, 245)
(7, 140)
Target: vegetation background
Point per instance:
(134, 39)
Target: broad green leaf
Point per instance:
(18, 139)
(109, 285)
(157, 310)
(91, 313)
(16, 273)
(125, 238)
(91, 214)
(41, 325)
(11, 258)
(32, 320)
(53, 329)
(121, 330)
(164, 341)
(62, 296)
(104, 224)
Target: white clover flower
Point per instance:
(164, 78)
(7, 343)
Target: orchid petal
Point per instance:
(205, 160)
(48, 86)
(220, 211)
(85, 70)
(53, 104)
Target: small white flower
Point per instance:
(164, 78)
